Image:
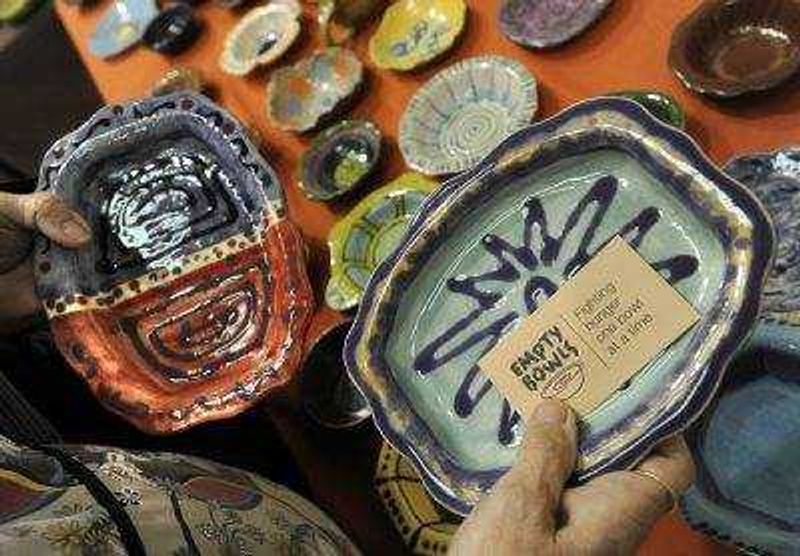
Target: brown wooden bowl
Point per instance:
(728, 48)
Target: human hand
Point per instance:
(20, 217)
(530, 511)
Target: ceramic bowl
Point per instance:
(15, 11)
(178, 79)
(414, 32)
(174, 30)
(360, 241)
(300, 95)
(775, 179)
(464, 112)
(260, 38)
(747, 490)
(340, 159)
(661, 105)
(727, 48)
(339, 19)
(192, 301)
(121, 26)
(548, 23)
(492, 243)
(426, 527)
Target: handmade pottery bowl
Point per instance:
(339, 19)
(489, 246)
(775, 179)
(174, 30)
(122, 25)
(548, 23)
(329, 396)
(260, 38)
(426, 527)
(178, 79)
(464, 112)
(340, 159)
(661, 105)
(14, 11)
(747, 490)
(191, 302)
(727, 48)
(414, 32)
(360, 241)
(300, 95)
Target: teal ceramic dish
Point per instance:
(661, 105)
(122, 26)
(747, 491)
(491, 244)
(464, 112)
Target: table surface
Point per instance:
(626, 50)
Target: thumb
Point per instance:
(545, 462)
(47, 213)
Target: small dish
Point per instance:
(727, 48)
(174, 30)
(340, 159)
(747, 490)
(329, 396)
(414, 32)
(340, 19)
(300, 95)
(261, 37)
(661, 105)
(191, 302)
(121, 26)
(426, 527)
(178, 79)
(492, 243)
(548, 23)
(14, 11)
(775, 179)
(361, 240)
(464, 112)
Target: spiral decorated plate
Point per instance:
(191, 301)
(464, 112)
(489, 246)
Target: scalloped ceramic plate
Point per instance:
(727, 48)
(426, 527)
(464, 112)
(661, 105)
(340, 159)
(548, 23)
(747, 490)
(122, 25)
(191, 302)
(360, 241)
(300, 95)
(491, 244)
(415, 32)
(260, 38)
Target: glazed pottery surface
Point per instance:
(298, 96)
(661, 105)
(491, 244)
(413, 32)
(464, 112)
(775, 180)
(174, 30)
(548, 23)
(426, 527)
(14, 11)
(261, 37)
(191, 301)
(747, 490)
(368, 234)
(123, 25)
(340, 159)
(178, 79)
(727, 48)
(339, 19)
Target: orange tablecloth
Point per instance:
(626, 50)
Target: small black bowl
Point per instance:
(174, 30)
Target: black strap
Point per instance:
(20, 421)
(128, 533)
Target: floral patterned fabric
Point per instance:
(178, 506)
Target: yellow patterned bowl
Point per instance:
(413, 32)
